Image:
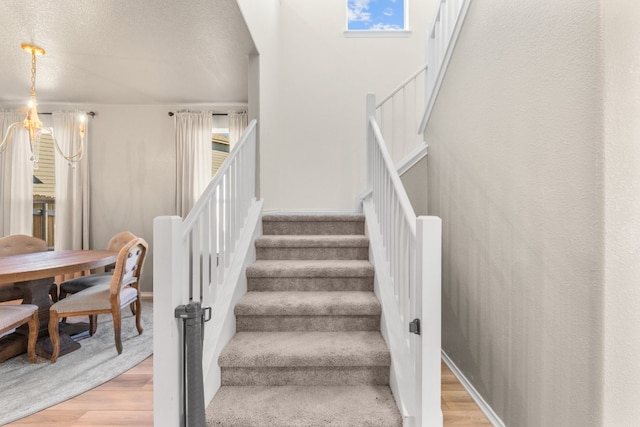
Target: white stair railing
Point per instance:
(192, 263)
(406, 252)
(441, 41)
(399, 115)
(403, 114)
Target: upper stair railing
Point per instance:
(403, 114)
(441, 41)
(192, 263)
(406, 252)
(399, 115)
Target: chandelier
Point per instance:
(33, 125)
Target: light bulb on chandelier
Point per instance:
(33, 125)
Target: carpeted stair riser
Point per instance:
(307, 323)
(312, 253)
(309, 376)
(313, 225)
(308, 311)
(312, 248)
(318, 284)
(321, 275)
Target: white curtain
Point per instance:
(193, 156)
(72, 184)
(237, 124)
(16, 179)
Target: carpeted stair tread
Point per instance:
(296, 406)
(312, 241)
(312, 218)
(310, 268)
(313, 224)
(308, 304)
(312, 247)
(302, 349)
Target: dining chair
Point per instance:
(18, 244)
(14, 315)
(81, 283)
(107, 295)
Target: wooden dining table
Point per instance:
(34, 273)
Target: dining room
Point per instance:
(68, 316)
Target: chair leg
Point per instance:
(34, 326)
(93, 324)
(132, 306)
(53, 292)
(117, 321)
(138, 313)
(53, 334)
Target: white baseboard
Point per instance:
(484, 406)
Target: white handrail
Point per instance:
(402, 86)
(398, 116)
(406, 254)
(441, 40)
(193, 259)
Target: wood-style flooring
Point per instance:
(128, 401)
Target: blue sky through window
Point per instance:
(375, 15)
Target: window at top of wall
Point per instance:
(377, 16)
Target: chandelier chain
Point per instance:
(33, 73)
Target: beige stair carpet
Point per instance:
(308, 351)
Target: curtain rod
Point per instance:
(171, 113)
(90, 113)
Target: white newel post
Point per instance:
(429, 270)
(168, 293)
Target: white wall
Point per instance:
(313, 83)
(622, 212)
(132, 161)
(415, 183)
(133, 173)
(515, 172)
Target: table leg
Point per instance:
(36, 292)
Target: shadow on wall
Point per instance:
(507, 314)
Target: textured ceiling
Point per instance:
(125, 51)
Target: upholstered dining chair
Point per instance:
(109, 295)
(18, 244)
(78, 284)
(14, 315)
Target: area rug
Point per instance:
(27, 388)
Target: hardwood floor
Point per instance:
(458, 408)
(128, 401)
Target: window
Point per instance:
(44, 180)
(220, 148)
(386, 16)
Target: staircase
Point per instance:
(308, 351)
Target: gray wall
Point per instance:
(132, 173)
(515, 172)
(132, 162)
(622, 212)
